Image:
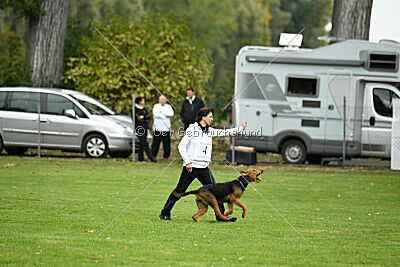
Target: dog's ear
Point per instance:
(243, 173)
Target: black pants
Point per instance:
(204, 175)
(144, 145)
(163, 137)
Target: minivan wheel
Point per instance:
(120, 154)
(294, 152)
(16, 151)
(95, 146)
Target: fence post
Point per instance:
(39, 136)
(344, 131)
(233, 137)
(134, 130)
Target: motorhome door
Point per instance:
(376, 129)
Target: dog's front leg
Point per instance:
(243, 206)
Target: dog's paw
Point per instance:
(233, 219)
(243, 215)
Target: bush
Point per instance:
(13, 69)
(161, 48)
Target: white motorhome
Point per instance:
(293, 99)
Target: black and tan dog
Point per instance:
(230, 192)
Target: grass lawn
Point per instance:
(52, 210)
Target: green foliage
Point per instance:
(23, 8)
(13, 69)
(159, 47)
(224, 26)
(313, 15)
(87, 10)
(76, 32)
(292, 15)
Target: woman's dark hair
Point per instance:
(138, 99)
(190, 88)
(203, 112)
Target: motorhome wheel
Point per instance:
(294, 152)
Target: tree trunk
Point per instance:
(351, 19)
(46, 40)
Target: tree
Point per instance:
(160, 47)
(45, 42)
(47, 24)
(351, 19)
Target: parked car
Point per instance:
(66, 119)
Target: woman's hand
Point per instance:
(189, 167)
(244, 125)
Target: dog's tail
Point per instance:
(184, 194)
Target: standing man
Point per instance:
(190, 107)
(162, 113)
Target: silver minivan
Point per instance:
(65, 119)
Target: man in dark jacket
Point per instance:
(189, 108)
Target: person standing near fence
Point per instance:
(195, 149)
(190, 107)
(162, 114)
(142, 118)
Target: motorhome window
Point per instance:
(24, 102)
(383, 101)
(249, 87)
(270, 87)
(57, 105)
(383, 62)
(3, 100)
(302, 86)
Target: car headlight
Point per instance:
(129, 130)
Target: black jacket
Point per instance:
(189, 111)
(142, 122)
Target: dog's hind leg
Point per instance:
(202, 209)
(230, 211)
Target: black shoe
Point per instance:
(164, 217)
(153, 160)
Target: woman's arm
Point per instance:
(184, 143)
(228, 132)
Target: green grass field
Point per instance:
(52, 210)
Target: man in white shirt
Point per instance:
(162, 113)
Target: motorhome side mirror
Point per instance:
(70, 113)
(372, 121)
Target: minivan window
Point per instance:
(92, 108)
(3, 100)
(57, 105)
(24, 102)
(383, 102)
